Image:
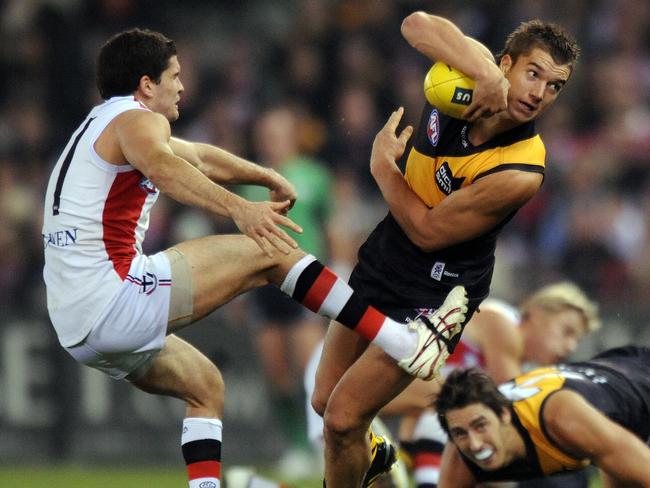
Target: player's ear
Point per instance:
(506, 415)
(505, 63)
(146, 85)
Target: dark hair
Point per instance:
(128, 56)
(464, 387)
(550, 37)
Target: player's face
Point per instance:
(167, 93)
(480, 435)
(554, 335)
(535, 83)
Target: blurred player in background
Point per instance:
(464, 181)
(285, 332)
(551, 420)
(116, 309)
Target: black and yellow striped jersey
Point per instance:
(392, 271)
(617, 383)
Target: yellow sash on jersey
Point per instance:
(421, 169)
(529, 393)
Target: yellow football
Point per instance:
(447, 89)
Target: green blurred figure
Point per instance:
(286, 333)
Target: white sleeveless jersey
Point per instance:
(95, 218)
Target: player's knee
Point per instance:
(282, 263)
(319, 402)
(340, 424)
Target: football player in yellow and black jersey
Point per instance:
(464, 180)
(550, 421)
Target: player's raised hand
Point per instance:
(261, 222)
(388, 147)
(490, 94)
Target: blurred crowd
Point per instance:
(340, 67)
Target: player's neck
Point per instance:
(516, 444)
(140, 98)
(485, 129)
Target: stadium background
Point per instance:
(347, 66)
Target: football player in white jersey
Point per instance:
(116, 309)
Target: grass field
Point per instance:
(86, 477)
(78, 477)
(83, 477)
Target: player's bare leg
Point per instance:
(223, 267)
(363, 390)
(226, 266)
(181, 371)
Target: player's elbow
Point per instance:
(425, 242)
(414, 25)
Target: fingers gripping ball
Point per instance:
(447, 89)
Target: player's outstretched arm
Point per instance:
(453, 470)
(583, 431)
(224, 167)
(144, 137)
(440, 40)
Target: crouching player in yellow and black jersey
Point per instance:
(550, 421)
(464, 180)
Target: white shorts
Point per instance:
(131, 330)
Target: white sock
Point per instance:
(201, 444)
(396, 339)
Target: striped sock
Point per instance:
(323, 292)
(430, 440)
(201, 445)
(426, 463)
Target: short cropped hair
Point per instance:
(559, 296)
(128, 56)
(464, 387)
(550, 37)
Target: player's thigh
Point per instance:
(341, 348)
(417, 397)
(182, 371)
(225, 266)
(365, 388)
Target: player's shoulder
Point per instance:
(528, 150)
(502, 308)
(497, 321)
(141, 122)
(560, 406)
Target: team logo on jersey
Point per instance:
(463, 137)
(446, 181)
(147, 185)
(437, 271)
(433, 127)
(148, 282)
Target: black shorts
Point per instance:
(372, 293)
(273, 307)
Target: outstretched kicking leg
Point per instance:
(226, 266)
